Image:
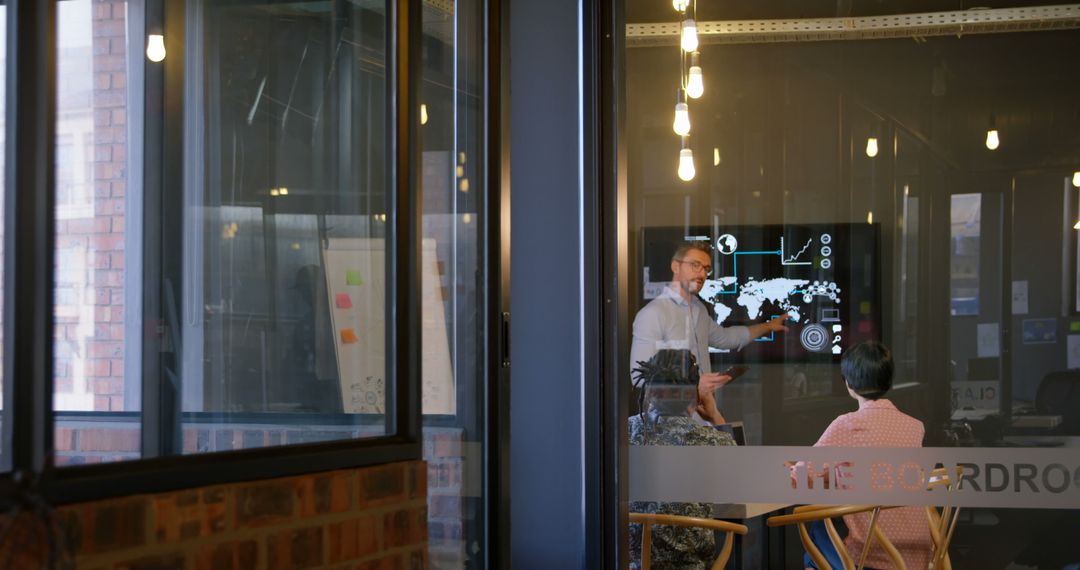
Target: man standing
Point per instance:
(679, 319)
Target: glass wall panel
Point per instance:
(453, 286)
(3, 155)
(285, 215)
(224, 218)
(98, 130)
(905, 201)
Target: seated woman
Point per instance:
(669, 399)
(867, 369)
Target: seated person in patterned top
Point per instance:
(668, 397)
(867, 369)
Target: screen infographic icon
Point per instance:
(824, 277)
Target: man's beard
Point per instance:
(692, 286)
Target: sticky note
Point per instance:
(1074, 326)
(348, 336)
(343, 301)
(864, 308)
(352, 277)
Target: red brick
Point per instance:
(331, 493)
(118, 224)
(107, 243)
(64, 439)
(367, 538)
(296, 549)
(172, 561)
(392, 562)
(264, 503)
(106, 349)
(101, 439)
(382, 485)
(418, 472)
(106, 387)
(341, 542)
(99, 367)
(236, 555)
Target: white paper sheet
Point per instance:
(1074, 351)
(987, 335)
(1019, 297)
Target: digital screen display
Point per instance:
(824, 277)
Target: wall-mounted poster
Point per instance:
(1040, 331)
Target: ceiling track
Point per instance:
(955, 23)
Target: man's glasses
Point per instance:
(697, 266)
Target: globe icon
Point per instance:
(727, 244)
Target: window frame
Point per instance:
(30, 195)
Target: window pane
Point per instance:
(3, 154)
(285, 210)
(96, 395)
(966, 216)
(453, 287)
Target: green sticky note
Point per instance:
(864, 308)
(1074, 326)
(353, 278)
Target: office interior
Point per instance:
(312, 308)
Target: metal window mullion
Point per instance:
(404, 253)
(29, 194)
(163, 222)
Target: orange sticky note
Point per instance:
(343, 301)
(348, 336)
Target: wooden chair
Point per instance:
(813, 513)
(943, 523)
(647, 520)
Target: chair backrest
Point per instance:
(1059, 394)
(647, 520)
(813, 513)
(943, 523)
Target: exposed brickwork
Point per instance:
(310, 521)
(91, 184)
(442, 483)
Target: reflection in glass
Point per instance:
(96, 231)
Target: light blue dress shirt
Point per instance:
(668, 321)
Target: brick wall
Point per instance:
(373, 518)
(451, 504)
(91, 179)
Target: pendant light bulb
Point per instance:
(871, 147)
(870, 217)
(686, 165)
(680, 5)
(1076, 178)
(689, 35)
(681, 125)
(423, 114)
(686, 170)
(992, 139)
(695, 83)
(155, 47)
